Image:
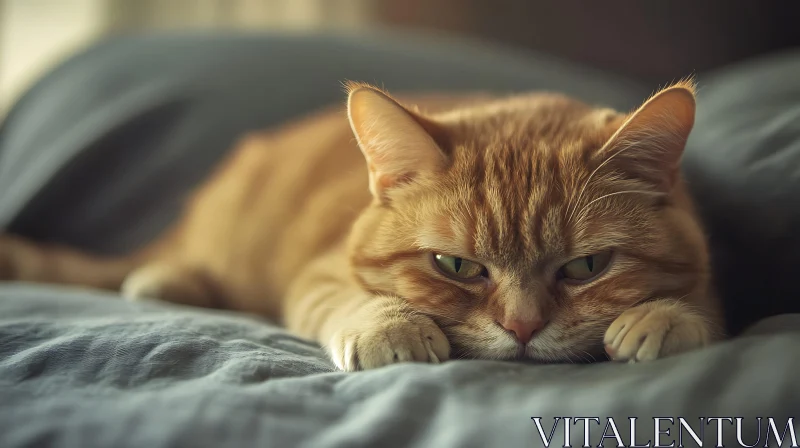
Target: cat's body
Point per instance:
(471, 230)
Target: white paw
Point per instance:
(143, 284)
(655, 330)
(389, 340)
(161, 281)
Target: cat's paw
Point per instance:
(655, 330)
(384, 340)
(166, 282)
(150, 282)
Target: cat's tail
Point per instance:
(27, 261)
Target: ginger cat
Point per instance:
(528, 227)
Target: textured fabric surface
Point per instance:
(80, 369)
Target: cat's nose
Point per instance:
(522, 329)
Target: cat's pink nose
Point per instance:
(522, 329)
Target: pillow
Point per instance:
(743, 165)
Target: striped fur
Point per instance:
(287, 228)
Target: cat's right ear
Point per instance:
(394, 140)
(650, 141)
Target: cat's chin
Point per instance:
(511, 353)
(544, 348)
(526, 354)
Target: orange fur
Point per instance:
(287, 228)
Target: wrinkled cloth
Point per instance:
(85, 369)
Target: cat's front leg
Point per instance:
(360, 330)
(656, 329)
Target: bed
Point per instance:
(101, 152)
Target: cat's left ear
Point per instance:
(650, 142)
(397, 143)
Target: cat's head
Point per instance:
(524, 226)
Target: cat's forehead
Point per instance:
(518, 167)
(525, 121)
(522, 146)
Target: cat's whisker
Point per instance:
(590, 358)
(645, 192)
(646, 299)
(630, 145)
(572, 357)
(443, 316)
(586, 184)
(464, 353)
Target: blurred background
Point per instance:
(653, 41)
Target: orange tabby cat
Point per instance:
(533, 226)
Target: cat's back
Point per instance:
(281, 197)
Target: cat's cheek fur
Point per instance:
(425, 289)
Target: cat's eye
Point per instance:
(459, 268)
(585, 268)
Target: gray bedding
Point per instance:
(84, 369)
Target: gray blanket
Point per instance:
(85, 369)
